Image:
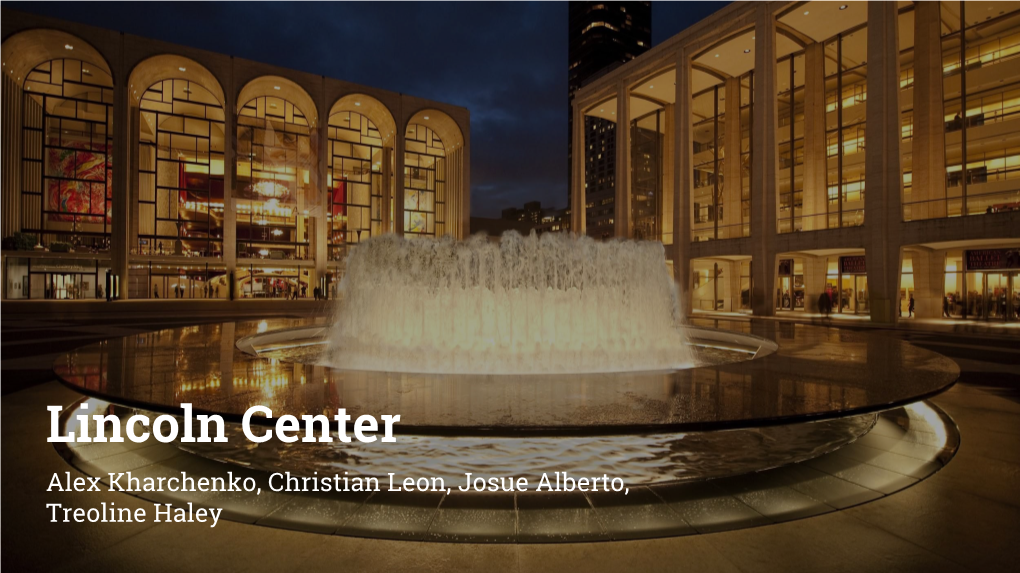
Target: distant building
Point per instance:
(603, 35)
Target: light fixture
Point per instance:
(357, 103)
(843, 7)
(276, 88)
(717, 55)
(806, 12)
(651, 87)
(182, 68)
(426, 118)
(68, 47)
(748, 51)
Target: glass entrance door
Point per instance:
(996, 296)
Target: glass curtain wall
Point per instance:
(906, 22)
(274, 195)
(646, 172)
(355, 181)
(67, 172)
(790, 135)
(845, 96)
(980, 61)
(424, 183)
(709, 107)
(180, 171)
(746, 131)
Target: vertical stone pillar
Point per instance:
(815, 160)
(120, 233)
(321, 228)
(731, 170)
(683, 180)
(764, 164)
(668, 168)
(465, 183)
(928, 153)
(387, 187)
(622, 201)
(929, 282)
(230, 180)
(883, 180)
(13, 97)
(398, 173)
(815, 269)
(578, 221)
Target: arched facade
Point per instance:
(359, 182)
(277, 188)
(433, 148)
(173, 173)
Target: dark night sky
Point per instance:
(505, 62)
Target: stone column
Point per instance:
(13, 97)
(764, 165)
(398, 175)
(622, 201)
(731, 170)
(883, 180)
(732, 273)
(928, 153)
(929, 282)
(815, 270)
(577, 199)
(387, 188)
(815, 161)
(321, 230)
(229, 181)
(668, 169)
(683, 180)
(120, 233)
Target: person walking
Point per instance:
(910, 306)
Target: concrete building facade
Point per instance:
(134, 168)
(862, 151)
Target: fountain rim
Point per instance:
(61, 370)
(697, 336)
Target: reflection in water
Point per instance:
(637, 459)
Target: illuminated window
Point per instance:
(424, 183)
(180, 171)
(67, 172)
(355, 181)
(275, 164)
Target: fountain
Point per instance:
(525, 305)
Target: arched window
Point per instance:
(424, 183)
(180, 170)
(355, 181)
(66, 168)
(275, 164)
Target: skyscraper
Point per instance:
(603, 35)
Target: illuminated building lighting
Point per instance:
(68, 47)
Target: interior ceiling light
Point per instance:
(276, 88)
(843, 7)
(717, 55)
(748, 51)
(651, 87)
(806, 12)
(182, 69)
(68, 47)
(358, 103)
(426, 118)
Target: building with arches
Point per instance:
(786, 150)
(139, 169)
